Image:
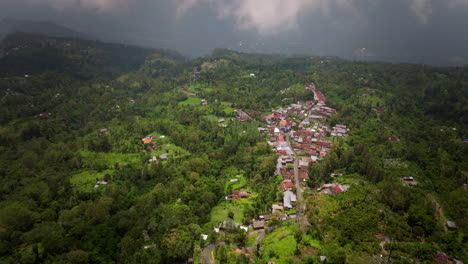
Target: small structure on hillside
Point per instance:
(451, 225)
(258, 224)
(410, 181)
(44, 115)
(276, 208)
(229, 225)
(333, 188)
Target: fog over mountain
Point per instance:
(422, 31)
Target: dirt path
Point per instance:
(207, 254)
(438, 209)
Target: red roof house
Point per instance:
(287, 184)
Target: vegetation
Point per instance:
(74, 113)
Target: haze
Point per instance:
(421, 31)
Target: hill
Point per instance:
(9, 26)
(118, 154)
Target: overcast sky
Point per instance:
(413, 30)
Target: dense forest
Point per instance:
(108, 156)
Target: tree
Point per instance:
(177, 245)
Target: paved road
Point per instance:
(299, 191)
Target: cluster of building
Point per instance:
(160, 157)
(298, 133)
(304, 124)
(339, 131)
(148, 142)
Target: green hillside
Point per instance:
(107, 155)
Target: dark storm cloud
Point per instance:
(411, 29)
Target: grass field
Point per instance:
(228, 110)
(172, 151)
(220, 212)
(279, 245)
(107, 160)
(309, 241)
(191, 101)
(241, 182)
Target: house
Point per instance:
(281, 138)
(378, 110)
(318, 96)
(275, 208)
(163, 156)
(303, 175)
(204, 236)
(444, 258)
(258, 224)
(277, 216)
(221, 120)
(287, 185)
(244, 194)
(333, 188)
(103, 131)
(242, 115)
(336, 189)
(304, 162)
(393, 138)
(238, 195)
(153, 148)
(409, 181)
(451, 225)
(203, 102)
(229, 224)
(146, 140)
(45, 115)
(289, 199)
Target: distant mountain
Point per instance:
(26, 53)
(8, 26)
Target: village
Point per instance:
(298, 133)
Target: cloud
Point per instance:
(458, 3)
(267, 16)
(422, 9)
